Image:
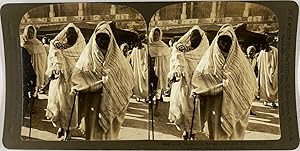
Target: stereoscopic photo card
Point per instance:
(150, 75)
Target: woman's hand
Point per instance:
(225, 82)
(104, 79)
(177, 74)
(195, 92)
(225, 79)
(73, 90)
(105, 74)
(56, 69)
(176, 77)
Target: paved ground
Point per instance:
(263, 126)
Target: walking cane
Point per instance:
(152, 117)
(194, 102)
(52, 77)
(150, 125)
(30, 115)
(73, 106)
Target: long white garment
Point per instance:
(62, 62)
(38, 54)
(139, 63)
(162, 53)
(268, 74)
(184, 61)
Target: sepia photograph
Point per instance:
(196, 71)
(78, 77)
(216, 69)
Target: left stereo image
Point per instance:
(78, 77)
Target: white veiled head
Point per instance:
(25, 33)
(151, 35)
(62, 36)
(33, 45)
(158, 48)
(186, 38)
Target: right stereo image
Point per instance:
(213, 71)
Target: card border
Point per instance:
(287, 17)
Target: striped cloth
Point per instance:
(233, 77)
(92, 66)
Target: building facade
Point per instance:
(92, 13)
(258, 17)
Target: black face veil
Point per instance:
(195, 38)
(224, 43)
(102, 40)
(71, 36)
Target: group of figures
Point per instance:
(213, 85)
(90, 85)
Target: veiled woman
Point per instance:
(64, 52)
(227, 86)
(160, 54)
(104, 79)
(38, 54)
(186, 54)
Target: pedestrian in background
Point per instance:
(267, 63)
(38, 55)
(160, 61)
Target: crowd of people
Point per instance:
(90, 84)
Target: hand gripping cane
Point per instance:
(150, 120)
(69, 124)
(30, 114)
(193, 117)
(76, 92)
